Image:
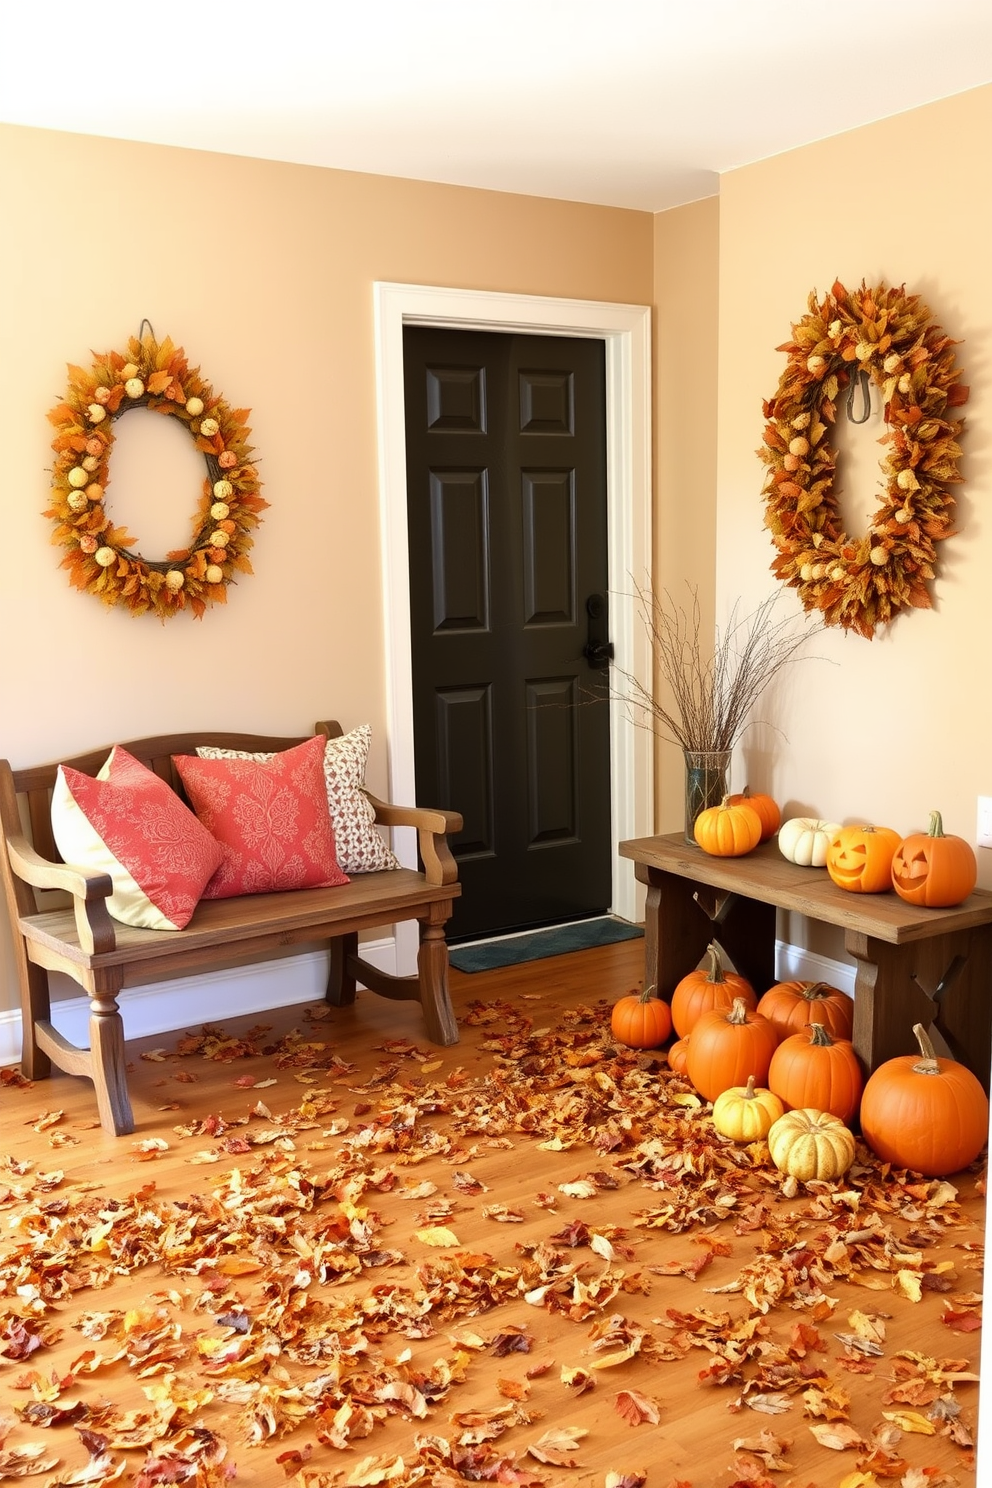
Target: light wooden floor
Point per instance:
(79, 1207)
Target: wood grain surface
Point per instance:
(368, 1082)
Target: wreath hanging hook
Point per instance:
(862, 381)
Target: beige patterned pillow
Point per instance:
(360, 847)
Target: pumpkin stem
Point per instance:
(936, 827)
(928, 1064)
(738, 1013)
(716, 963)
(819, 1034)
(816, 991)
(748, 1092)
(647, 995)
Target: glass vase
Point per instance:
(707, 772)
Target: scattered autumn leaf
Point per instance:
(557, 1446)
(837, 1435)
(634, 1407)
(437, 1235)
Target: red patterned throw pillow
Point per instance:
(128, 823)
(357, 842)
(270, 818)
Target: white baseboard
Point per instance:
(189, 1002)
(795, 964)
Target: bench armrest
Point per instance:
(433, 826)
(89, 893)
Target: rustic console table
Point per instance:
(929, 966)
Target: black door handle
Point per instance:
(598, 649)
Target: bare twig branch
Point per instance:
(712, 690)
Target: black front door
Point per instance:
(506, 483)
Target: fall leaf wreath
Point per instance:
(101, 557)
(885, 337)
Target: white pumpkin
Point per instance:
(804, 840)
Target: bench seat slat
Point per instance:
(369, 899)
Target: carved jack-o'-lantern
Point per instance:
(860, 858)
(933, 869)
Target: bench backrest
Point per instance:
(34, 783)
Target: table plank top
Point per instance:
(766, 875)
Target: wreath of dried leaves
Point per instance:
(887, 335)
(101, 558)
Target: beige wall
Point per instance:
(887, 729)
(686, 300)
(884, 730)
(263, 272)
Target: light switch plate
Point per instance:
(983, 835)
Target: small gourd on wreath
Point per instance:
(100, 555)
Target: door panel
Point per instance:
(548, 511)
(464, 765)
(551, 761)
(460, 549)
(506, 474)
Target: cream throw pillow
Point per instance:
(360, 847)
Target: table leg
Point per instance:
(945, 983)
(682, 917)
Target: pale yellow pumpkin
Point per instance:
(808, 1144)
(745, 1113)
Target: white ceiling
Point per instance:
(632, 103)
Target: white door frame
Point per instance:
(626, 332)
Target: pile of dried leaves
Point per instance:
(278, 1305)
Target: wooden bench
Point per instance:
(80, 939)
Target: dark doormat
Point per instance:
(535, 945)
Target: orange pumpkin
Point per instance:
(678, 1055)
(925, 1113)
(813, 1071)
(728, 831)
(791, 1005)
(934, 869)
(641, 1021)
(860, 859)
(768, 812)
(706, 988)
(727, 1046)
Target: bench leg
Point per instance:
(432, 970)
(35, 1008)
(108, 1065)
(341, 981)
